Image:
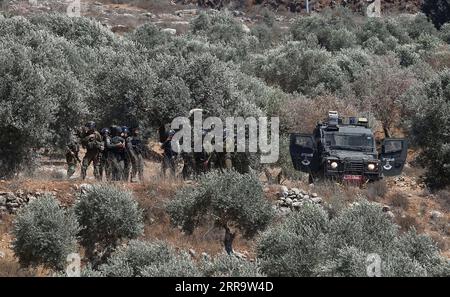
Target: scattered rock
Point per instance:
(289, 201)
(297, 204)
(245, 28)
(314, 195)
(296, 191)
(284, 191)
(206, 256)
(317, 200)
(386, 208)
(434, 215)
(84, 188)
(184, 12)
(192, 252)
(390, 214)
(240, 255)
(169, 31)
(2, 255)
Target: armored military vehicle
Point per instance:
(344, 149)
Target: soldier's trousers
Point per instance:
(117, 166)
(137, 167)
(91, 157)
(105, 167)
(168, 162)
(71, 165)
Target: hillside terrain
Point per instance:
(142, 63)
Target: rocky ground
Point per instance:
(404, 199)
(123, 16)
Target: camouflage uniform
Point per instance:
(169, 157)
(105, 166)
(94, 146)
(134, 148)
(116, 156)
(72, 158)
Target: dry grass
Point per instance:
(443, 198)
(399, 199)
(377, 190)
(406, 222)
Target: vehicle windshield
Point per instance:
(349, 141)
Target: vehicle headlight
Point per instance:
(371, 167)
(334, 165)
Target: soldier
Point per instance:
(105, 166)
(126, 161)
(73, 148)
(169, 155)
(135, 149)
(116, 153)
(93, 143)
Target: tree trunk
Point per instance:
(228, 240)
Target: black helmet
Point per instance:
(115, 130)
(105, 131)
(90, 125)
(125, 130)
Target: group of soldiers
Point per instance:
(114, 152)
(117, 154)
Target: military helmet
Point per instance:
(125, 129)
(105, 131)
(90, 125)
(115, 130)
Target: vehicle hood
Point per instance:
(352, 155)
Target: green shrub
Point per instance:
(150, 259)
(230, 198)
(107, 215)
(308, 243)
(428, 107)
(295, 247)
(44, 234)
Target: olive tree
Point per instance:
(309, 243)
(107, 215)
(44, 233)
(149, 259)
(231, 199)
(428, 108)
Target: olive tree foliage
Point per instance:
(149, 259)
(41, 97)
(44, 234)
(309, 243)
(232, 200)
(159, 259)
(107, 215)
(428, 110)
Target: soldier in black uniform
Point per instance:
(127, 160)
(135, 148)
(169, 155)
(116, 153)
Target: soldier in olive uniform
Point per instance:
(93, 143)
(73, 148)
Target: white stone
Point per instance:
(170, 31)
